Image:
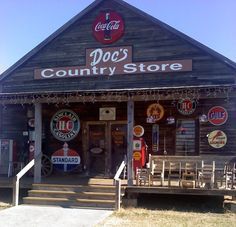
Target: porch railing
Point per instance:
(118, 184)
(16, 181)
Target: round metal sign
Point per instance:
(65, 159)
(217, 139)
(155, 112)
(138, 131)
(108, 27)
(217, 115)
(65, 125)
(186, 106)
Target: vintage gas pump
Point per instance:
(139, 148)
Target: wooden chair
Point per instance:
(206, 176)
(142, 176)
(174, 172)
(230, 175)
(189, 175)
(157, 172)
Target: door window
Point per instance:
(186, 137)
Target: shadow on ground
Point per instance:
(6, 195)
(187, 203)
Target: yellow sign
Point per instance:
(155, 112)
(137, 156)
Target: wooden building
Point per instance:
(110, 68)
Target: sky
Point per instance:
(26, 23)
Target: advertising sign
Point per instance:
(217, 139)
(186, 106)
(155, 112)
(65, 125)
(217, 115)
(65, 159)
(108, 27)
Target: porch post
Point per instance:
(130, 118)
(38, 142)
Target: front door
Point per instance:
(118, 142)
(105, 146)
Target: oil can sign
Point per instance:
(65, 125)
(65, 159)
(217, 115)
(108, 27)
(217, 139)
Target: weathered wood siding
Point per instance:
(150, 42)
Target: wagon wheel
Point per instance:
(46, 163)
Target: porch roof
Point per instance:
(119, 95)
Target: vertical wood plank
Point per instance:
(38, 142)
(130, 118)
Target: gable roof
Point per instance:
(190, 40)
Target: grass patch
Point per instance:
(140, 217)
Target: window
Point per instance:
(186, 137)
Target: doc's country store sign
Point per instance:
(107, 28)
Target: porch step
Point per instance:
(71, 194)
(92, 195)
(65, 202)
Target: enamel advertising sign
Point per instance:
(108, 27)
(217, 139)
(65, 159)
(217, 115)
(65, 125)
(186, 106)
(112, 61)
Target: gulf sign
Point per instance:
(65, 125)
(65, 159)
(217, 115)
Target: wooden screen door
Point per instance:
(96, 148)
(105, 146)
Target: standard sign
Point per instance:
(113, 61)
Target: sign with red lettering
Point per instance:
(186, 106)
(217, 115)
(112, 61)
(65, 125)
(108, 27)
(217, 139)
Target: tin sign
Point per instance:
(217, 139)
(138, 131)
(108, 27)
(65, 125)
(217, 115)
(186, 106)
(65, 159)
(155, 112)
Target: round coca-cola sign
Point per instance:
(108, 27)
(217, 115)
(65, 125)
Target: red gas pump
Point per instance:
(139, 148)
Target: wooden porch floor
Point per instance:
(75, 179)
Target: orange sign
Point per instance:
(138, 131)
(137, 156)
(155, 112)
